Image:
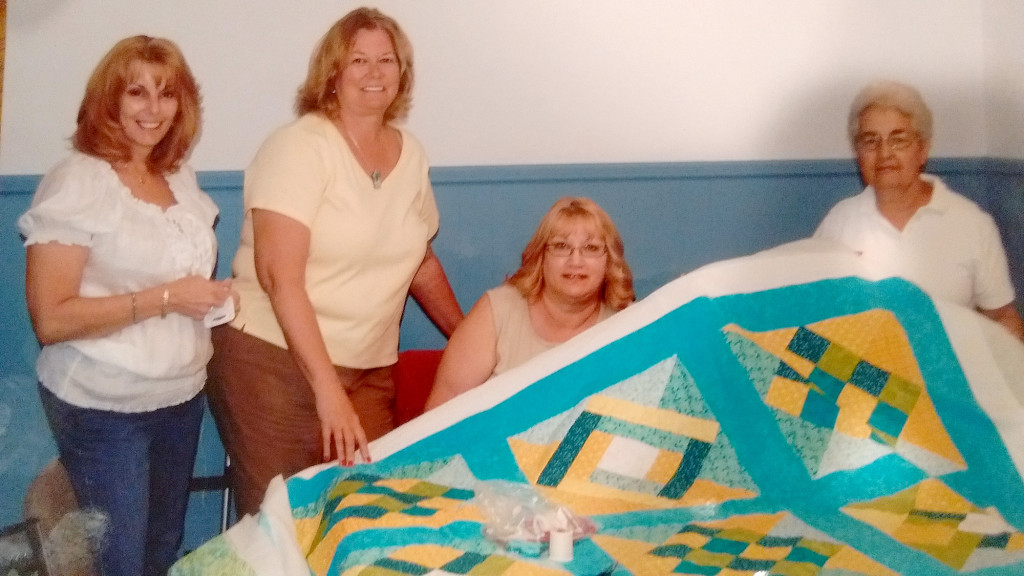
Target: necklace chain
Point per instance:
(375, 175)
(140, 176)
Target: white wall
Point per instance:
(553, 81)
(1004, 72)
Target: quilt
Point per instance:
(784, 413)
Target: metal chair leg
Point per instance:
(225, 501)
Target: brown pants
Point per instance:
(266, 411)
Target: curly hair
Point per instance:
(99, 132)
(329, 58)
(617, 288)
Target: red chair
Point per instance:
(414, 378)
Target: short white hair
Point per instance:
(889, 94)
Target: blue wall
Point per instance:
(673, 218)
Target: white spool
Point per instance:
(560, 545)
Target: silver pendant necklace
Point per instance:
(375, 175)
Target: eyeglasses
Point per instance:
(564, 250)
(870, 141)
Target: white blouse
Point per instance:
(133, 245)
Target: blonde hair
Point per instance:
(316, 94)
(99, 132)
(617, 288)
(896, 95)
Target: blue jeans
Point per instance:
(135, 467)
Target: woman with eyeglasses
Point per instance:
(910, 224)
(573, 275)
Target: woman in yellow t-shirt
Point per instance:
(339, 216)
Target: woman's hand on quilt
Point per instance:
(194, 296)
(339, 426)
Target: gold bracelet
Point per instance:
(163, 303)
(135, 310)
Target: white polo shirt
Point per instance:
(951, 248)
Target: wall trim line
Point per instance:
(215, 180)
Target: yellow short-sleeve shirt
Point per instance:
(366, 243)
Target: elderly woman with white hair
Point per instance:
(911, 224)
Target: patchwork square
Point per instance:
(855, 409)
(933, 518)
(755, 544)
(621, 454)
(807, 344)
(628, 457)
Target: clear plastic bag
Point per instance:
(517, 514)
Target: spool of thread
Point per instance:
(560, 545)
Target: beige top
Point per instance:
(365, 244)
(517, 340)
